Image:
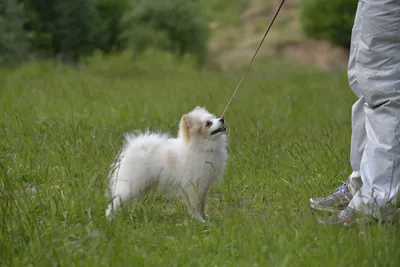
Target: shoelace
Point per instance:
(342, 189)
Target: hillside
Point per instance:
(239, 26)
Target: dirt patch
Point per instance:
(320, 54)
(258, 11)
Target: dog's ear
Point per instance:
(198, 107)
(187, 120)
(184, 127)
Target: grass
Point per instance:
(60, 129)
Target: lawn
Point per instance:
(289, 133)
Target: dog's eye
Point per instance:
(208, 123)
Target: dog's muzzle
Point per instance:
(219, 130)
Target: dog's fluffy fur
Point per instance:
(188, 164)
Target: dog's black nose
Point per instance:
(222, 120)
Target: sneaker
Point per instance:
(339, 200)
(346, 217)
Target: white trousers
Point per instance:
(374, 76)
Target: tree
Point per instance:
(14, 40)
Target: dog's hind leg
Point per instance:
(123, 193)
(120, 197)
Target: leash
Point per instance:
(248, 66)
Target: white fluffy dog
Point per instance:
(188, 164)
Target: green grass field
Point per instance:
(60, 129)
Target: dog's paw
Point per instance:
(201, 218)
(109, 214)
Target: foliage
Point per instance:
(111, 13)
(14, 40)
(75, 28)
(78, 28)
(42, 22)
(179, 26)
(329, 20)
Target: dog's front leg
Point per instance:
(196, 202)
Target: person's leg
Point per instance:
(378, 75)
(343, 195)
(358, 133)
(378, 79)
(358, 141)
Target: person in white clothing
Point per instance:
(374, 76)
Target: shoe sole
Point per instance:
(326, 209)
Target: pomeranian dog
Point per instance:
(188, 165)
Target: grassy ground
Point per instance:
(289, 137)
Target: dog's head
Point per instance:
(199, 124)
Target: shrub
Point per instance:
(329, 20)
(71, 28)
(14, 40)
(111, 13)
(78, 27)
(42, 18)
(179, 26)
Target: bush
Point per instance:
(141, 37)
(111, 13)
(78, 28)
(42, 18)
(70, 28)
(329, 20)
(179, 26)
(14, 40)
